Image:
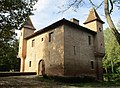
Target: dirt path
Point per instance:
(26, 82)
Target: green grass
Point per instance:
(95, 84)
(78, 83)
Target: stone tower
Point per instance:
(94, 23)
(27, 30)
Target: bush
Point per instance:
(111, 77)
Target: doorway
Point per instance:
(41, 67)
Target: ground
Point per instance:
(40, 82)
(25, 81)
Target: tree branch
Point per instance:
(75, 4)
(110, 22)
(92, 3)
(111, 3)
(100, 5)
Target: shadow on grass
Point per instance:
(78, 82)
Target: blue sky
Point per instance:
(46, 12)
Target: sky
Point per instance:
(46, 12)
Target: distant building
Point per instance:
(63, 48)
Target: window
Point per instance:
(33, 42)
(50, 36)
(100, 29)
(92, 64)
(74, 50)
(42, 39)
(29, 63)
(89, 40)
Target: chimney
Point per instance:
(75, 21)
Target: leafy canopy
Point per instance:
(13, 14)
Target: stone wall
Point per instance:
(99, 49)
(24, 32)
(78, 53)
(51, 52)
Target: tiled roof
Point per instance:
(93, 16)
(59, 23)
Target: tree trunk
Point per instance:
(110, 22)
(112, 66)
(106, 70)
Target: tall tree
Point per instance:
(108, 8)
(13, 14)
(108, 11)
(111, 60)
(8, 56)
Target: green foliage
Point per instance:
(13, 14)
(111, 61)
(112, 77)
(8, 56)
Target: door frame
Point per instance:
(41, 71)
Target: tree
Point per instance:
(108, 17)
(8, 56)
(111, 60)
(108, 8)
(13, 14)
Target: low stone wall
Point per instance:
(4, 74)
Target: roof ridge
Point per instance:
(93, 15)
(29, 23)
(58, 23)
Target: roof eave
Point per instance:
(94, 20)
(59, 23)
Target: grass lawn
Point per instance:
(77, 83)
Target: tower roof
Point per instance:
(93, 16)
(28, 24)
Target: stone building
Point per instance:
(63, 48)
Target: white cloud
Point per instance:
(46, 12)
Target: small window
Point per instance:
(89, 40)
(42, 39)
(33, 42)
(29, 63)
(92, 64)
(50, 36)
(74, 50)
(100, 29)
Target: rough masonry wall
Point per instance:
(51, 52)
(78, 53)
(98, 45)
(100, 38)
(24, 32)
